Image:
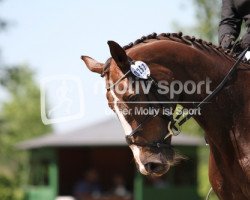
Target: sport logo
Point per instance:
(66, 95)
(173, 88)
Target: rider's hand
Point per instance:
(227, 41)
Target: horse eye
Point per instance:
(133, 97)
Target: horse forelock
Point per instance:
(187, 40)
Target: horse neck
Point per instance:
(189, 63)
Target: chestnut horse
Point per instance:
(225, 119)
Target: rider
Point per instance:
(232, 14)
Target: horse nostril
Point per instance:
(152, 167)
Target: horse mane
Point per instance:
(188, 40)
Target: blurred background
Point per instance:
(40, 45)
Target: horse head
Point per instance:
(147, 135)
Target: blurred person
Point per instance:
(119, 188)
(88, 188)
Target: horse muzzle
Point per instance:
(156, 168)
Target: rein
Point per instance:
(176, 122)
(217, 89)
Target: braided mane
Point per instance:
(178, 37)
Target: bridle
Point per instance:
(162, 143)
(176, 122)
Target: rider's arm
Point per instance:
(230, 23)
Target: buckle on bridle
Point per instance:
(172, 130)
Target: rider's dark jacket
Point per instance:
(232, 14)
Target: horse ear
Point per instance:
(92, 64)
(118, 54)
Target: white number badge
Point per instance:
(140, 69)
(247, 55)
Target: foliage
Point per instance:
(206, 20)
(20, 120)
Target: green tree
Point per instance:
(207, 16)
(20, 120)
